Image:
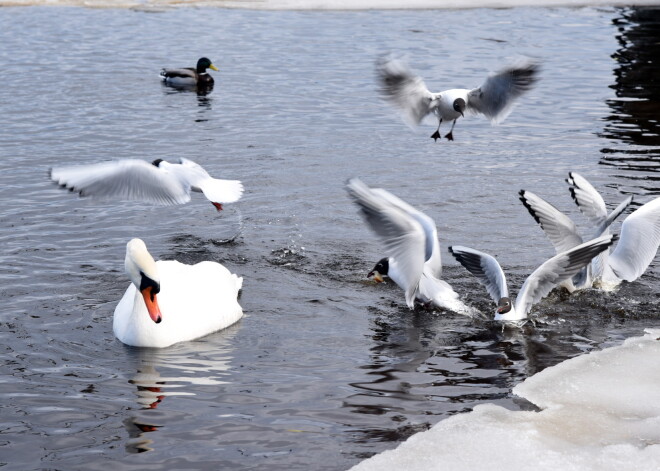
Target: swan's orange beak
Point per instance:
(152, 304)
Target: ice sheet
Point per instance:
(600, 411)
(322, 4)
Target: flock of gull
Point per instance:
(169, 302)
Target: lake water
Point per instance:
(326, 368)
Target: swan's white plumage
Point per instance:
(195, 300)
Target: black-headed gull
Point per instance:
(159, 182)
(411, 244)
(638, 242)
(493, 99)
(537, 285)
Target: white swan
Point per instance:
(537, 285)
(493, 98)
(411, 243)
(160, 182)
(169, 302)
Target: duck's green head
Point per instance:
(204, 64)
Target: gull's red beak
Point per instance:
(218, 206)
(152, 304)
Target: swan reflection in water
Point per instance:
(163, 375)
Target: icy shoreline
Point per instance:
(323, 4)
(600, 411)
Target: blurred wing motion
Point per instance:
(133, 180)
(404, 89)
(403, 236)
(495, 97)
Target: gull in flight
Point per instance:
(492, 99)
(411, 244)
(537, 285)
(638, 241)
(159, 182)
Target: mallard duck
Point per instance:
(190, 75)
(169, 302)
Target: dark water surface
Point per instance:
(325, 368)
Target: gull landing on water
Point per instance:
(638, 243)
(411, 244)
(537, 285)
(159, 182)
(493, 99)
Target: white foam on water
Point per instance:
(323, 4)
(600, 411)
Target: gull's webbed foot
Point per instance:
(450, 136)
(436, 136)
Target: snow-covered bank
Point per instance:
(600, 411)
(325, 4)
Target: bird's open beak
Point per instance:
(212, 67)
(377, 276)
(152, 304)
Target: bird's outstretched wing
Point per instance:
(403, 88)
(559, 228)
(485, 268)
(134, 180)
(639, 241)
(497, 94)
(559, 268)
(403, 236)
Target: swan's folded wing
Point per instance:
(559, 228)
(404, 89)
(485, 268)
(498, 93)
(134, 180)
(402, 235)
(638, 243)
(587, 198)
(559, 268)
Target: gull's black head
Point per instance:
(156, 162)
(504, 306)
(380, 270)
(459, 106)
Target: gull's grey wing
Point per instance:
(495, 97)
(186, 72)
(559, 228)
(559, 268)
(638, 243)
(404, 89)
(587, 198)
(403, 236)
(134, 180)
(485, 268)
(431, 246)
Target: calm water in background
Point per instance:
(325, 368)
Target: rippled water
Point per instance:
(325, 368)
